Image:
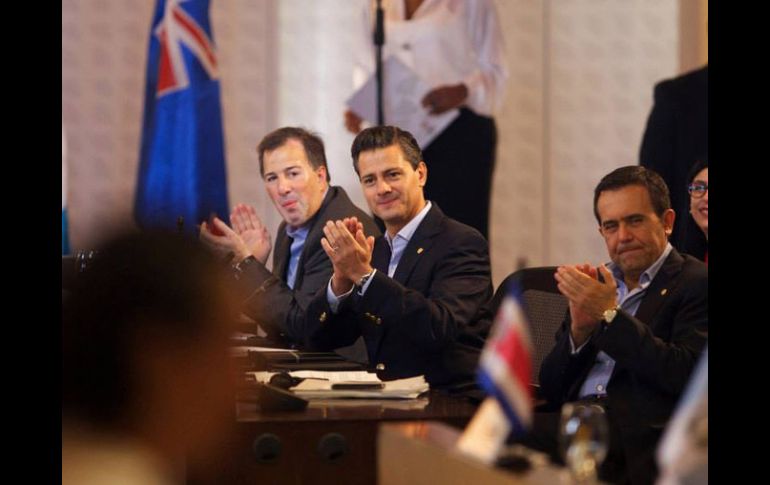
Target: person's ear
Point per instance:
(422, 173)
(668, 221)
(320, 172)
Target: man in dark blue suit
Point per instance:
(636, 326)
(415, 293)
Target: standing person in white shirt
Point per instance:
(456, 47)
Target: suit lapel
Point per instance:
(381, 255)
(422, 238)
(659, 289)
(312, 240)
(281, 253)
(421, 241)
(655, 296)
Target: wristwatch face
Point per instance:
(364, 279)
(609, 315)
(245, 262)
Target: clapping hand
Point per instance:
(349, 250)
(228, 245)
(588, 297)
(249, 227)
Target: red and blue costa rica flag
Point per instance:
(505, 364)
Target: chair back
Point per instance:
(544, 307)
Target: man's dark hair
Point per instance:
(311, 142)
(695, 170)
(383, 137)
(140, 286)
(635, 175)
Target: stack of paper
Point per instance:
(353, 384)
(402, 95)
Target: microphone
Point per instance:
(379, 25)
(284, 380)
(379, 41)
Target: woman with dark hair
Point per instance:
(698, 188)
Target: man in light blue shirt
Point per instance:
(293, 166)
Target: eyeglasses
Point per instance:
(698, 189)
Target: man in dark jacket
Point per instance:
(293, 166)
(414, 294)
(636, 326)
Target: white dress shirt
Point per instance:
(445, 42)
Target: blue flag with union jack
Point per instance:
(505, 364)
(182, 158)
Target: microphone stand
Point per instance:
(379, 41)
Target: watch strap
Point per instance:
(361, 282)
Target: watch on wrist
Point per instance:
(245, 262)
(364, 279)
(609, 315)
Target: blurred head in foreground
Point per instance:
(145, 364)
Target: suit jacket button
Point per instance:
(380, 366)
(322, 317)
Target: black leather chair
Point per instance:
(544, 306)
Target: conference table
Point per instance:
(340, 441)
(424, 453)
(329, 442)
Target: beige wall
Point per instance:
(582, 74)
(693, 34)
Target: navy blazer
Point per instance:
(655, 352)
(424, 320)
(279, 309)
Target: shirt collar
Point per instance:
(407, 231)
(649, 274)
(299, 232)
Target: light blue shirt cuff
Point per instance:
(334, 300)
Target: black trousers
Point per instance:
(461, 161)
